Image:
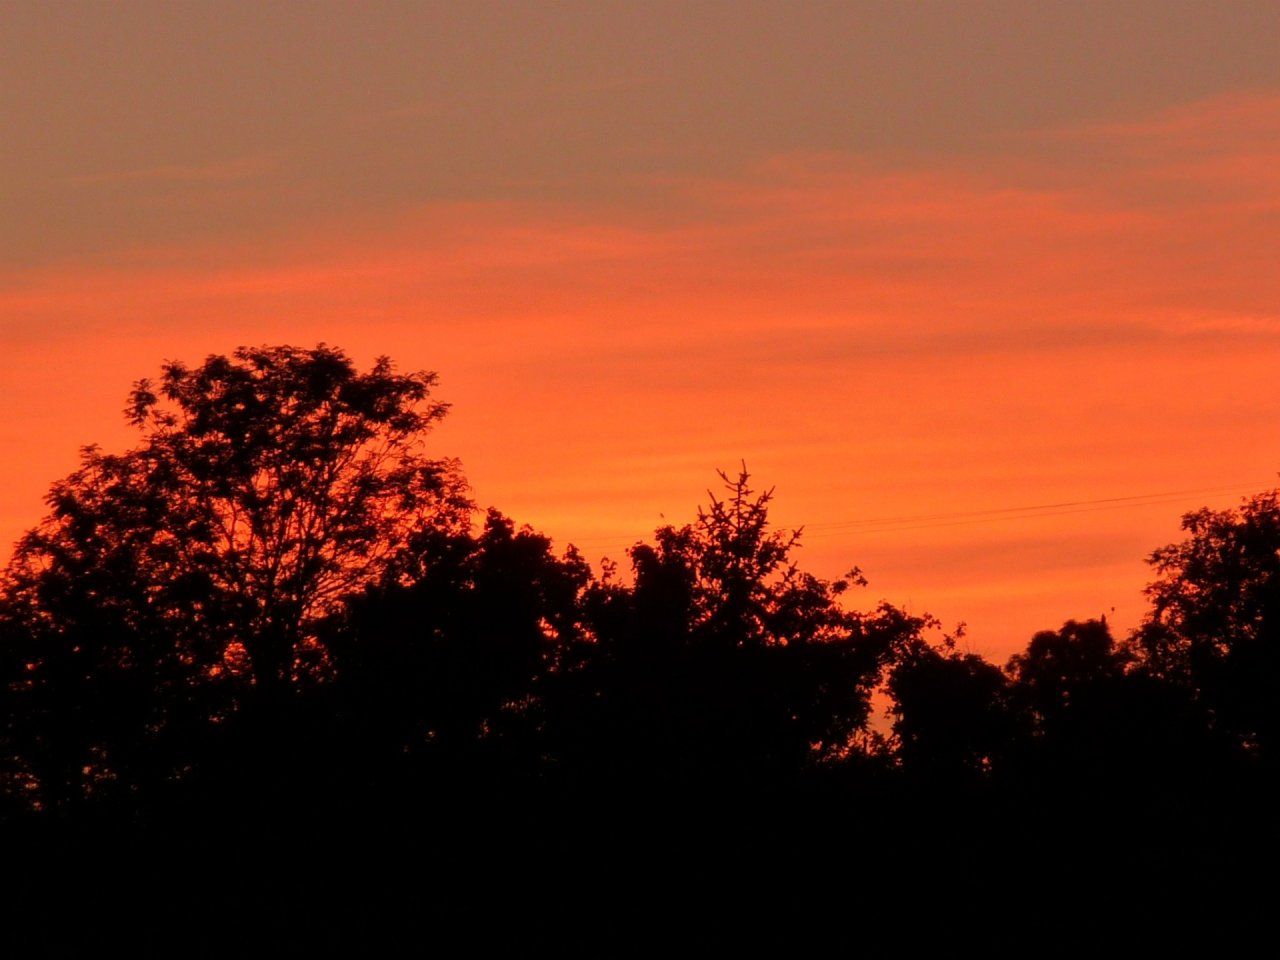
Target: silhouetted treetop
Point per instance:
(736, 575)
(1214, 625)
(951, 709)
(723, 657)
(1061, 667)
(268, 486)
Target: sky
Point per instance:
(985, 292)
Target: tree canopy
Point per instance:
(275, 619)
(268, 486)
(1214, 625)
(722, 657)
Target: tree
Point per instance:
(268, 487)
(1061, 671)
(1094, 717)
(952, 715)
(1214, 625)
(722, 657)
(456, 656)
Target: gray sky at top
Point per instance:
(146, 124)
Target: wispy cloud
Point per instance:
(1239, 116)
(222, 171)
(1087, 313)
(535, 95)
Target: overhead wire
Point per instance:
(1028, 512)
(929, 521)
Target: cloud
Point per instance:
(1217, 123)
(1082, 316)
(1029, 251)
(223, 171)
(800, 262)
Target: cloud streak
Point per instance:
(238, 168)
(1074, 318)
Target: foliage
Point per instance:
(952, 712)
(723, 654)
(1060, 669)
(458, 653)
(1214, 626)
(268, 487)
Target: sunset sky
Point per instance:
(989, 292)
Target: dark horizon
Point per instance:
(275, 641)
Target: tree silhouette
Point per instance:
(273, 620)
(952, 710)
(1214, 626)
(432, 667)
(723, 658)
(1062, 670)
(269, 486)
(1073, 689)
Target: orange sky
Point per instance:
(1033, 265)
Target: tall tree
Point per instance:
(1214, 625)
(268, 486)
(722, 655)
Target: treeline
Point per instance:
(267, 667)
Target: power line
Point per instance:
(928, 521)
(1029, 512)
